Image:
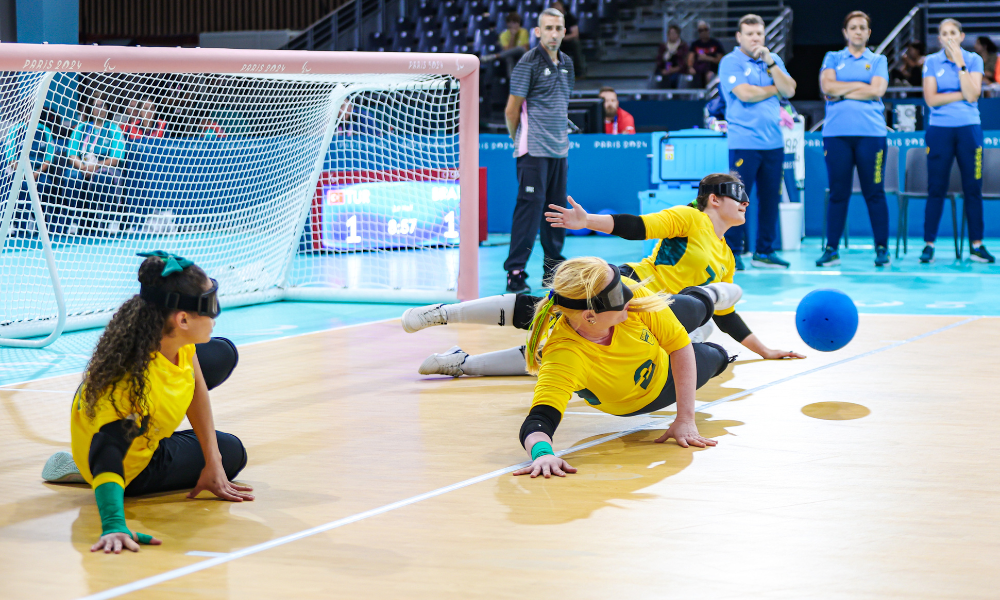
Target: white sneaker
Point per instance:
(449, 363)
(726, 294)
(415, 319)
(60, 468)
(702, 333)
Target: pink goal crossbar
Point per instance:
(464, 67)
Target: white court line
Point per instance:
(219, 560)
(208, 554)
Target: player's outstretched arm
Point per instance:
(576, 217)
(683, 429)
(543, 461)
(754, 344)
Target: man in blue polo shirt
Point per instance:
(752, 79)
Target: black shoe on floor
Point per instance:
(927, 256)
(517, 283)
(981, 254)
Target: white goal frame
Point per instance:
(52, 59)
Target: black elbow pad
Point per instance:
(542, 418)
(629, 227)
(733, 325)
(108, 448)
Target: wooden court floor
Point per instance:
(877, 477)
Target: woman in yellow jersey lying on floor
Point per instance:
(692, 251)
(622, 348)
(153, 365)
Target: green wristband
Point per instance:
(111, 504)
(541, 449)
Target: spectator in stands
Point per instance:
(95, 150)
(908, 72)
(514, 36)
(210, 129)
(671, 58)
(571, 43)
(537, 113)
(753, 80)
(514, 41)
(706, 52)
(143, 122)
(616, 120)
(986, 48)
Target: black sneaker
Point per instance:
(517, 283)
(768, 261)
(927, 256)
(881, 256)
(830, 258)
(981, 254)
(739, 262)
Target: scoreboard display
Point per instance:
(389, 214)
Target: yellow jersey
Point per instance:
(171, 389)
(618, 379)
(688, 254)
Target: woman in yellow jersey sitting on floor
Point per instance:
(617, 346)
(691, 251)
(153, 365)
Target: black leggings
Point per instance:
(178, 460)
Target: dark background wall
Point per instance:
(8, 20)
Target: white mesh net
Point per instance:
(313, 187)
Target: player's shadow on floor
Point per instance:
(614, 471)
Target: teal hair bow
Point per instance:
(174, 263)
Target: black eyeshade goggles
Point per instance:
(730, 189)
(206, 304)
(612, 298)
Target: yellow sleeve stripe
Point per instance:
(105, 478)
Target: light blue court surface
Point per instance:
(947, 287)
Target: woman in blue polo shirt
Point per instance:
(953, 80)
(854, 80)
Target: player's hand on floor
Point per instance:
(567, 218)
(772, 354)
(686, 434)
(115, 542)
(546, 466)
(213, 479)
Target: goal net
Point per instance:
(285, 175)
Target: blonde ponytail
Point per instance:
(578, 278)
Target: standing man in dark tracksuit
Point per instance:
(537, 115)
(752, 80)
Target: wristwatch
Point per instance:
(963, 68)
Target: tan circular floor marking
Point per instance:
(835, 411)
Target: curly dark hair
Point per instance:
(131, 339)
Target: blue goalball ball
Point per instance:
(826, 320)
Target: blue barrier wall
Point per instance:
(608, 171)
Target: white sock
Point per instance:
(496, 364)
(493, 310)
